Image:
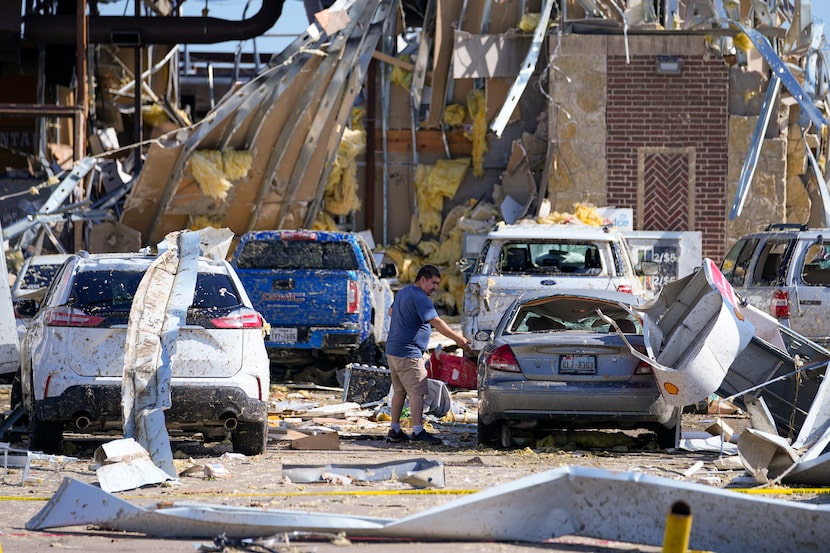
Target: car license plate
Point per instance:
(284, 335)
(577, 364)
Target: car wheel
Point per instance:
(17, 391)
(45, 436)
(367, 352)
(666, 436)
(506, 437)
(489, 434)
(249, 438)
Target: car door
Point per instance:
(809, 290)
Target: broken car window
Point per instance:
(769, 268)
(816, 269)
(297, 254)
(736, 262)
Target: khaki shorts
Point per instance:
(409, 375)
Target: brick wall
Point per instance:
(650, 111)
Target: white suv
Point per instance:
(517, 258)
(785, 271)
(73, 355)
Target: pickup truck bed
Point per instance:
(321, 292)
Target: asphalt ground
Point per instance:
(259, 482)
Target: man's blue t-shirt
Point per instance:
(409, 329)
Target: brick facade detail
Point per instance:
(689, 110)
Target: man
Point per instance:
(412, 317)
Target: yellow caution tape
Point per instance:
(273, 494)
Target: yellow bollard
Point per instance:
(678, 528)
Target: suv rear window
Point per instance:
(297, 254)
(114, 290)
(39, 276)
(736, 263)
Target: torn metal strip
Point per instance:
(529, 65)
(313, 33)
(416, 89)
(809, 111)
(595, 503)
(427, 473)
(329, 143)
(820, 183)
(751, 162)
(69, 183)
(336, 54)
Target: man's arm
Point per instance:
(442, 327)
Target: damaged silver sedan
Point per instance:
(73, 357)
(555, 361)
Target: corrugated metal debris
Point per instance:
(565, 501)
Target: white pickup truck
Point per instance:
(522, 257)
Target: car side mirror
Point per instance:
(26, 308)
(648, 268)
(388, 270)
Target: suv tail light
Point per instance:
(241, 318)
(352, 297)
(502, 359)
(780, 304)
(64, 315)
(625, 289)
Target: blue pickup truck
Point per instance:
(321, 293)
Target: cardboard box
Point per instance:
(318, 441)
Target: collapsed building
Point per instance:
(421, 121)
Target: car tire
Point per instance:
(666, 436)
(45, 436)
(17, 391)
(367, 352)
(249, 438)
(489, 434)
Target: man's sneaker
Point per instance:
(425, 437)
(396, 437)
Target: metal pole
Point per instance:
(137, 98)
(80, 82)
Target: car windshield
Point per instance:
(582, 258)
(297, 254)
(115, 290)
(572, 313)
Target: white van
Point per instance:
(517, 258)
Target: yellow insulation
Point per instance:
(214, 169)
(742, 42)
(358, 115)
(529, 22)
(212, 181)
(432, 185)
(583, 213)
(324, 221)
(154, 115)
(341, 196)
(236, 163)
(477, 106)
(454, 115)
(400, 76)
